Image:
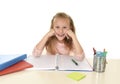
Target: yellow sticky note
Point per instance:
(76, 76)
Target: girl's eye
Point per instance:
(64, 27)
(57, 27)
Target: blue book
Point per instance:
(8, 60)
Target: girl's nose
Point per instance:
(61, 30)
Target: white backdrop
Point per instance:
(24, 22)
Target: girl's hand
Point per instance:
(51, 33)
(70, 33)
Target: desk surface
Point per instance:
(110, 76)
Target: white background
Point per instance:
(24, 22)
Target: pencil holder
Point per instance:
(99, 63)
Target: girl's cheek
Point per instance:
(55, 30)
(65, 31)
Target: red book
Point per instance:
(16, 67)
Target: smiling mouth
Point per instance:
(61, 35)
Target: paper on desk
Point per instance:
(76, 76)
(39, 64)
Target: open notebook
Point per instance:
(58, 62)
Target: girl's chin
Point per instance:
(60, 38)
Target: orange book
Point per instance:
(16, 67)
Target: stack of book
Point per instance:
(13, 63)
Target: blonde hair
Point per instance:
(51, 43)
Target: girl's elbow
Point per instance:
(36, 52)
(80, 57)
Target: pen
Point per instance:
(104, 52)
(94, 51)
(75, 62)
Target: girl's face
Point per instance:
(60, 26)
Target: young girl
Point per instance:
(60, 39)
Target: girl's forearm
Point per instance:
(40, 46)
(78, 48)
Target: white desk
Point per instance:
(110, 76)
